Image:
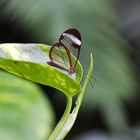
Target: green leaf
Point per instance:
(25, 114)
(30, 61)
(113, 69)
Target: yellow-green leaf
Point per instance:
(30, 61)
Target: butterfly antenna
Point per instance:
(91, 76)
(89, 80)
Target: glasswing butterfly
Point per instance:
(60, 53)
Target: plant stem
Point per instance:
(72, 116)
(62, 121)
(68, 119)
(81, 94)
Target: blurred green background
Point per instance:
(110, 30)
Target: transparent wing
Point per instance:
(71, 39)
(72, 49)
(59, 57)
(75, 52)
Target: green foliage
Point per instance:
(30, 61)
(25, 114)
(97, 23)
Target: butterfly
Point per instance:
(62, 53)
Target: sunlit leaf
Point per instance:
(30, 61)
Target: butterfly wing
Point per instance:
(60, 57)
(71, 39)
